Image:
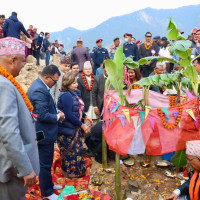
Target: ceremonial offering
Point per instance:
(129, 162)
(97, 180)
(162, 163)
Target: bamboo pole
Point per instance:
(104, 152)
(146, 94)
(117, 177)
(178, 90)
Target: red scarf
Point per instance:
(194, 189)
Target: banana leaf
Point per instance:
(184, 54)
(191, 73)
(179, 158)
(171, 25)
(130, 63)
(143, 61)
(174, 32)
(118, 60)
(179, 45)
(161, 80)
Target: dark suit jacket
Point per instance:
(85, 94)
(185, 188)
(45, 109)
(98, 91)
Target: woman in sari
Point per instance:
(70, 138)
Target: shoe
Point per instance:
(98, 158)
(89, 153)
(57, 187)
(52, 197)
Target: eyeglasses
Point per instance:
(55, 81)
(148, 36)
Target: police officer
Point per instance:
(130, 48)
(99, 55)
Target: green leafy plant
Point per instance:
(179, 158)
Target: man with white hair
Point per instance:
(159, 69)
(80, 54)
(19, 160)
(85, 85)
(190, 189)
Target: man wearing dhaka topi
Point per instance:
(19, 161)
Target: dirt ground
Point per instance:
(152, 181)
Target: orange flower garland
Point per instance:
(145, 45)
(172, 100)
(136, 86)
(165, 124)
(86, 83)
(9, 76)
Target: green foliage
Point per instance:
(192, 74)
(113, 75)
(179, 159)
(174, 32)
(161, 80)
(118, 60)
(143, 61)
(130, 63)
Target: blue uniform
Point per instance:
(131, 49)
(98, 58)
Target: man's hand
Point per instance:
(96, 111)
(62, 115)
(30, 179)
(173, 196)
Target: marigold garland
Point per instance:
(165, 124)
(145, 45)
(9, 76)
(86, 83)
(136, 86)
(172, 100)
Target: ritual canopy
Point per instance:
(134, 131)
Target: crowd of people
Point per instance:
(64, 102)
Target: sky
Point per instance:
(53, 16)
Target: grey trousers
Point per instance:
(13, 189)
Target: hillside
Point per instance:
(137, 23)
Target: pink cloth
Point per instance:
(193, 148)
(155, 99)
(12, 46)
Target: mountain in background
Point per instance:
(137, 23)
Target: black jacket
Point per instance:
(85, 94)
(148, 69)
(185, 188)
(98, 91)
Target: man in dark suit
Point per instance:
(98, 91)
(46, 117)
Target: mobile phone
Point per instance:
(40, 136)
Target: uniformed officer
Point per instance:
(130, 48)
(99, 55)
